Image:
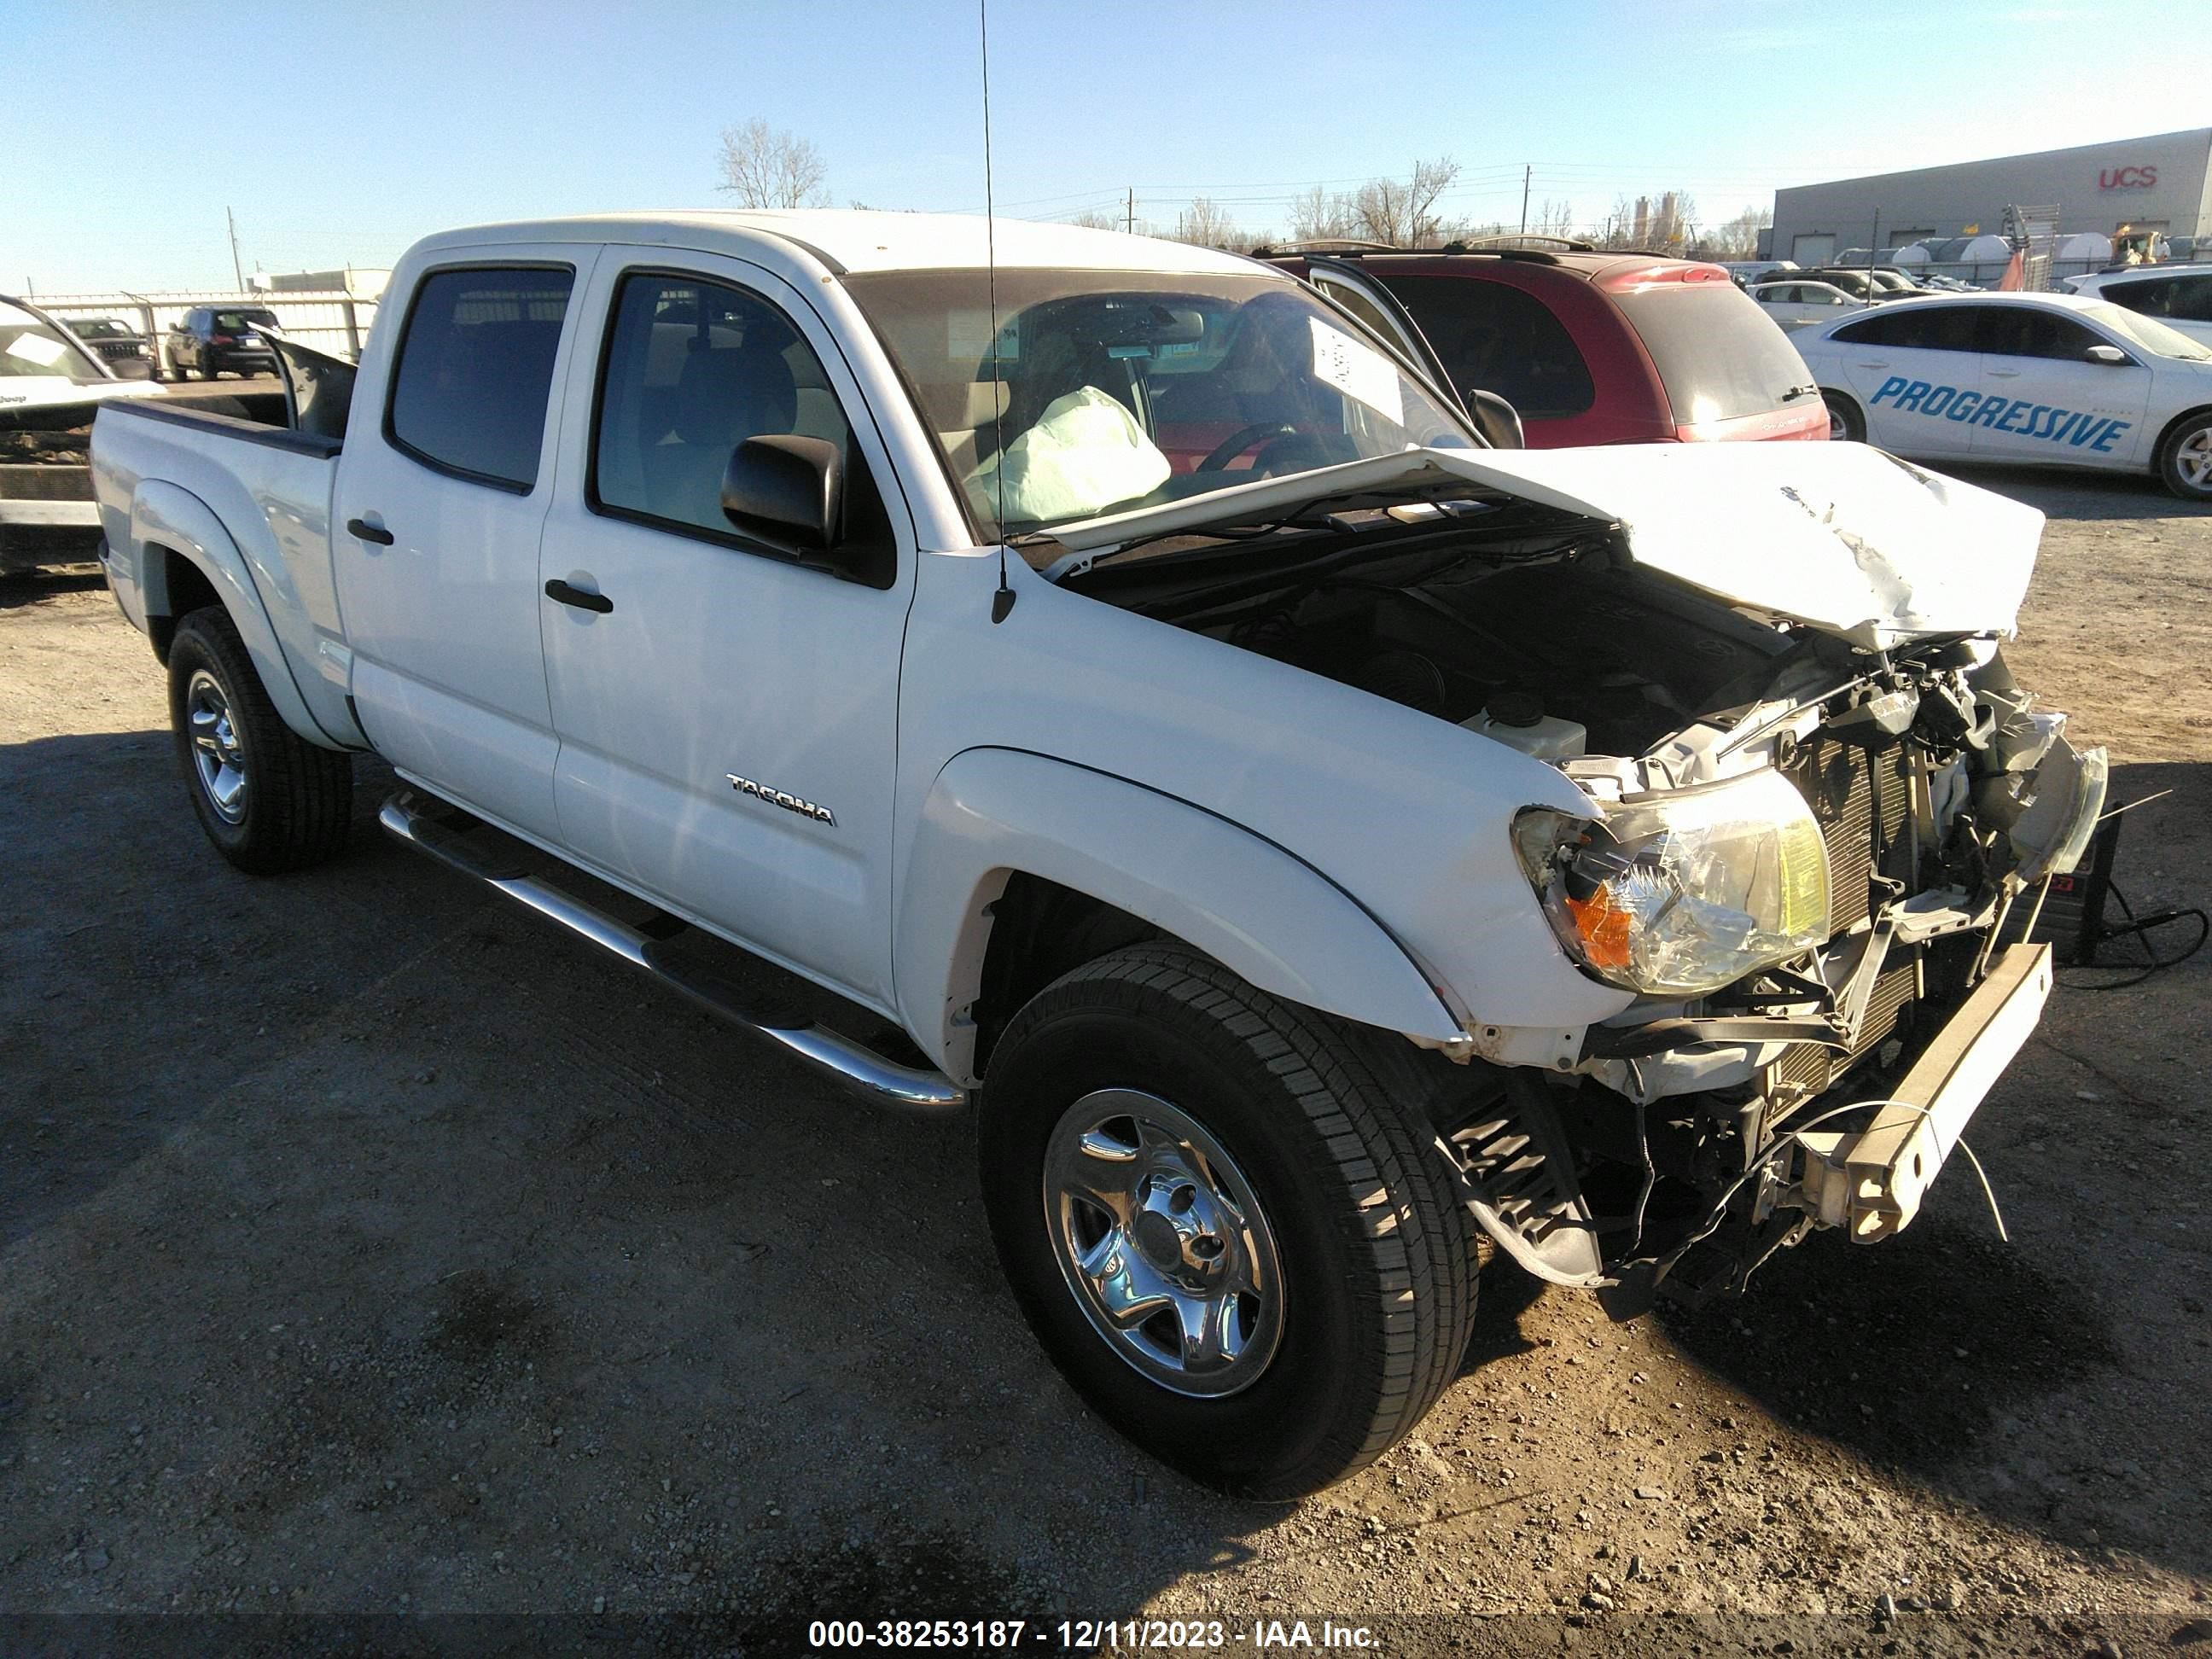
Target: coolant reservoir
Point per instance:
(1517, 720)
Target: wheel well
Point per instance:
(1039, 931)
(186, 588)
(2158, 449)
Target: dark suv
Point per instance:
(214, 339)
(1591, 347)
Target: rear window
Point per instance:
(1499, 338)
(1718, 355)
(476, 368)
(237, 319)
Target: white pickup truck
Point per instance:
(1313, 837)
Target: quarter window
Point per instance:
(693, 369)
(476, 371)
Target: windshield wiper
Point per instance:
(1797, 392)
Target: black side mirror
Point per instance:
(786, 489)
(1496, 419)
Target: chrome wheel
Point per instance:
(2192, 461)
(217, 754)
(1837, 431)
(1162, 1244)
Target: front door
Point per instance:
(2046, 397)
(727, 717)
(434, 534)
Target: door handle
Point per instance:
(583, 600)
(1880, 365)
(363, 530)
(2004, 374)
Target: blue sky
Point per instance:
(338, 132)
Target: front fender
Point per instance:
(1245, 901)
(166, 515)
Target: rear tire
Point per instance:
(1846, 424)
(268, 799)
(1151, 1120)
(2184, 459)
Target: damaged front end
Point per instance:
(1810, 898)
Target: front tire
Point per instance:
(1846, 424)
(2184, 459)
(269, 800)
(1226, 1220)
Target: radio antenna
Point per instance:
(1002, 602)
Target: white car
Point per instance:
(2042, 378)
(2180, 296)
(1800, 304)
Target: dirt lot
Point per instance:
(366, 1251)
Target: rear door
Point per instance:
(1915, 374)
(448, 469)
(2044, 397)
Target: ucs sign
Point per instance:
(2127, 178)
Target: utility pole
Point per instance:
(1527, 173)
(235, 271)
(1129, 220)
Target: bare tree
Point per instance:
(1402, 212)
(1205, 225)
(1095, 219)
(1737, 239)
(765, 166)
(1554, 218)
(1317, 216)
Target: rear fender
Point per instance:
(165, 515)
(1252, 906)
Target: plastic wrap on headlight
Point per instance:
(1685, 892)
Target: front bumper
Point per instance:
(1871, 1182)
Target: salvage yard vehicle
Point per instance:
(1796, 304)
(2180, 296)
(50, 384)
(113, 340)
(2047, 379)
(217, 340)
(1303, 868)
(1589, 347)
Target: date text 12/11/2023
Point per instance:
(1085, 1635)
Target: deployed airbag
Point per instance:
(1085, 455)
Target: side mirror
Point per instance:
(786, 489)
(2107, 354)
(1497, 420)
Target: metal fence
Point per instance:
(334, 322)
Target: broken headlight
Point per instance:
(1682, 892)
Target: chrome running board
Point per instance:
(410, 818)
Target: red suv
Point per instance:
(1591, 347)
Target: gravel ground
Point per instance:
(366, 1251)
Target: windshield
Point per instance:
(1118, 390)
(98, 328)
(2147, 332)
(1718, 355)
(29, 347)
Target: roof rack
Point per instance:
(1523, 240)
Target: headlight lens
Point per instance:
(1686, 892)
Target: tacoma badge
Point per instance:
(806, 809)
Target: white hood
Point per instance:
(1837, 536)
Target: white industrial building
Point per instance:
(2162, 183)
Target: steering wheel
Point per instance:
(1241, 439)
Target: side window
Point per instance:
(2192, 298)
(476, 372)
(1502, 339)
(2026, 331)
(694, 368)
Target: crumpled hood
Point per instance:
(1837, 535)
